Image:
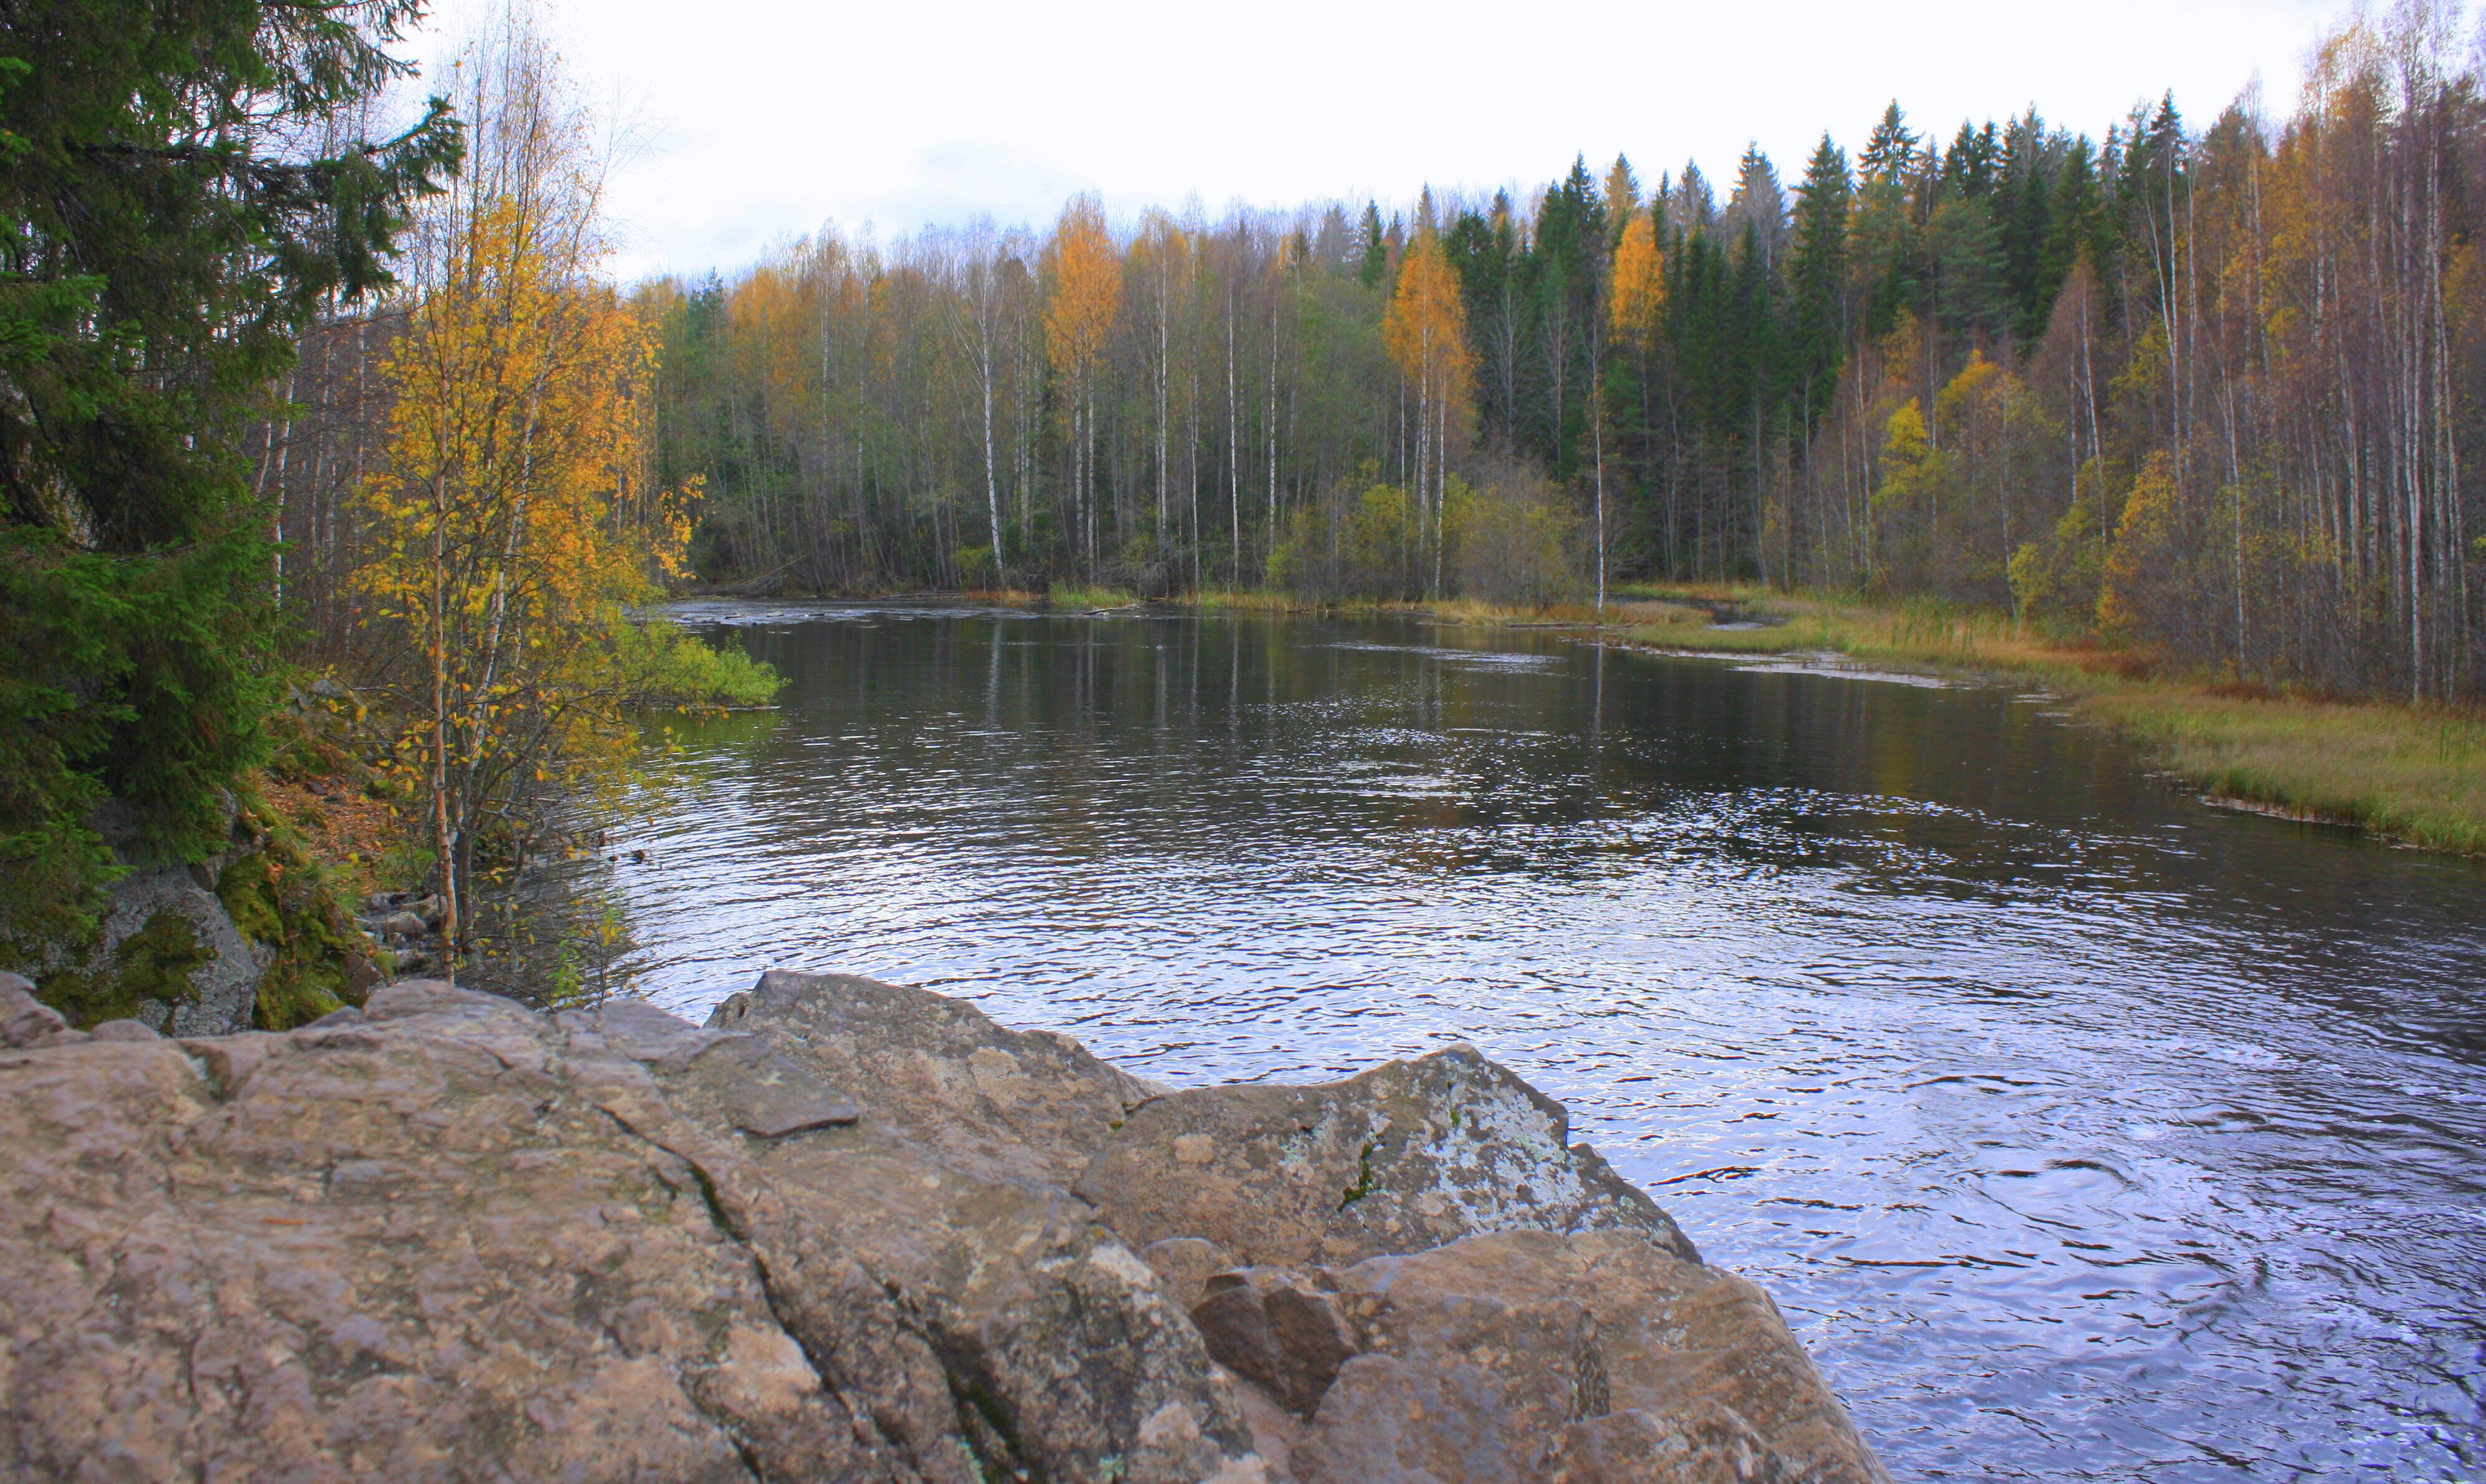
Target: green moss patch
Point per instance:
(280, 900)
(155, 964)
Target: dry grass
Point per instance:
(2414, 774)
(1066, 596)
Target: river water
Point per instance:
(2082, 1131)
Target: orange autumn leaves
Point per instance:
(1424, 328)
(1636, 301)
(512, 523)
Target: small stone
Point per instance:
(24, 1020)
(1271, 1326)
(1183, 1266)
(125, 1031)
(405, 924)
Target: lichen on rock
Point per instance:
(1406, 1156)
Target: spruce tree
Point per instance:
(1817, 278)
(1887, 237)
(164, 238)
(2071, 220)
(1888, 148)
(2025, 215)
(1376, 248)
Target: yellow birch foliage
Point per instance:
(2146, 555)
(1424, 328)
(1637, 299)
(1087, 288)
(510, 533)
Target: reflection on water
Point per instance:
(2080, 1130)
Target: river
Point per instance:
(2082, 1131)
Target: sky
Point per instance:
(746, 122)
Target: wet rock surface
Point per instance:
(846, 1231)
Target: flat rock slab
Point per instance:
(1004, 1104)
(1404, 1157)
(446, 1239)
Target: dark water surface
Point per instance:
(2082, 1131)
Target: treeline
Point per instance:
(297, 394)
(2200, 389)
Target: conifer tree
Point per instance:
(175, 202)
(1622, 201)
(1817, 278)
(1375, 261)
(2028, 201)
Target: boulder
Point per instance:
(405, 926)
(1004, 1104)
(444, 1238)
(170, 955)
(1527, 1355)
(1404, 1157)
(828, 1236)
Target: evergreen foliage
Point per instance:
(179, 194)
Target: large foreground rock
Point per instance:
(849, 1231)
(448, 1239)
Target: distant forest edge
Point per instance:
(2205, 389)
(2212, 392)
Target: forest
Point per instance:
(326, 449)
(308, 377)
(2194, 387)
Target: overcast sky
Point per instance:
(758, 120)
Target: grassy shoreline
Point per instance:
(2408, 773)
(2411, 773)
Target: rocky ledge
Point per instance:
(846, 1231)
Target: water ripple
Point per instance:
(2081, 1132)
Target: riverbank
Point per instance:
(2414, 775)
(1266, 600)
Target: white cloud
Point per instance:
(763, 119)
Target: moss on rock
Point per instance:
(279, 898)
(154, 963)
